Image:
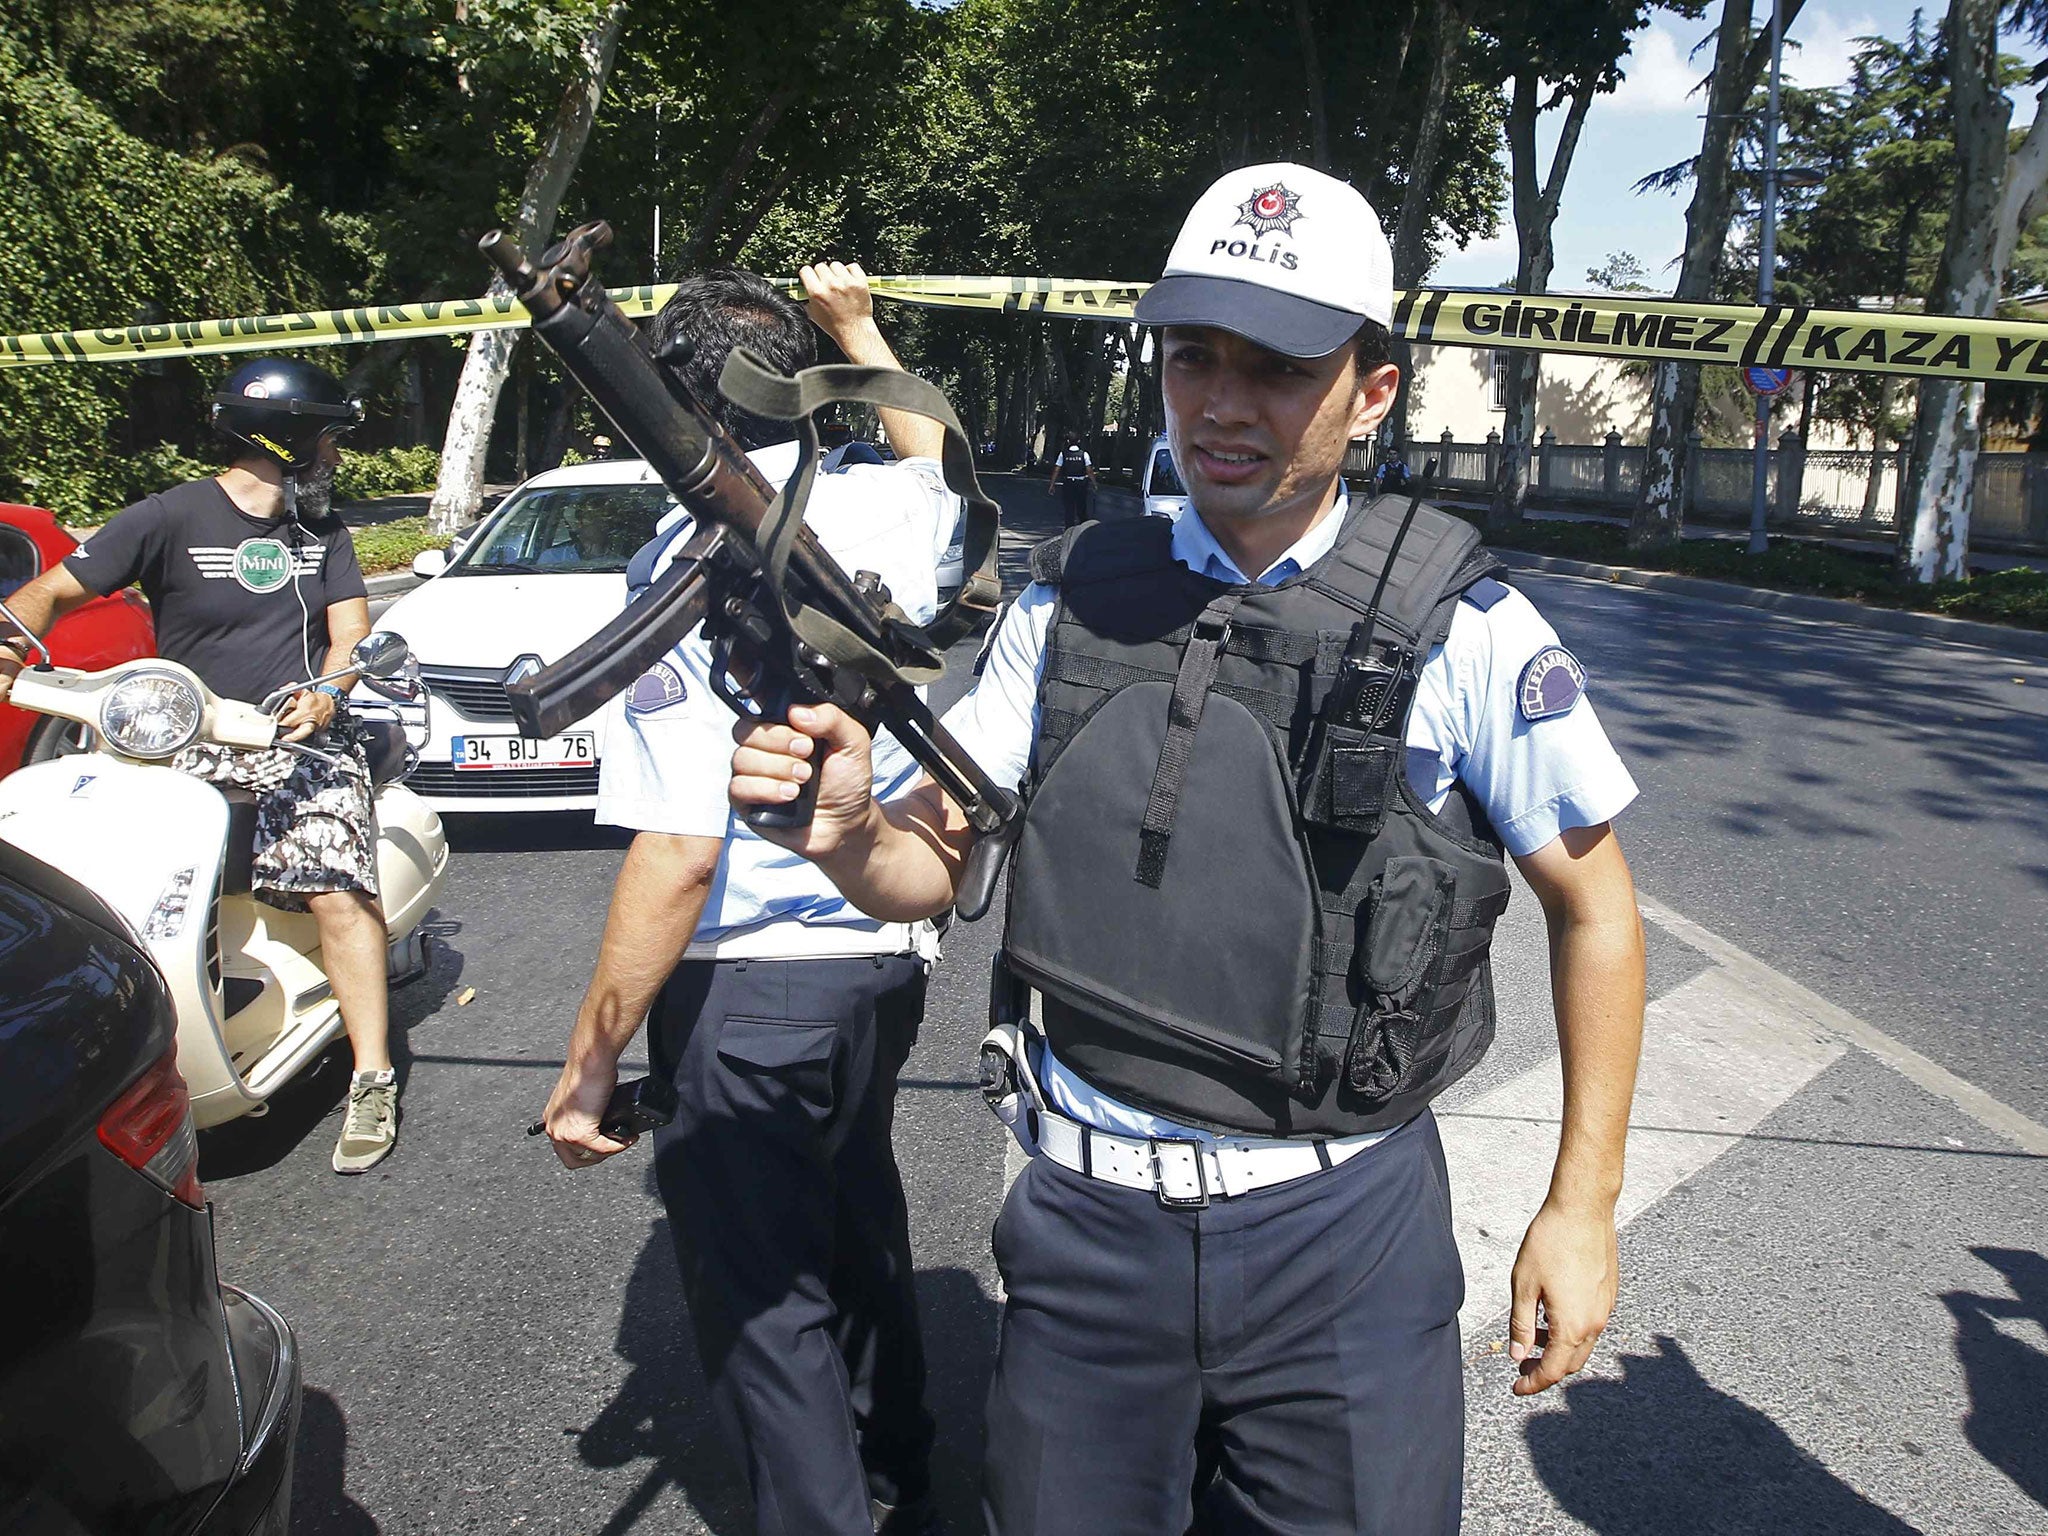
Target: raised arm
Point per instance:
(842, 306)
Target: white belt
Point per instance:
(789, 939)
(1189, 1173)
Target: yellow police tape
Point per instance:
(1606, 325)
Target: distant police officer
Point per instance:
(785, 1027)
(1272, 754)
(1073, 476)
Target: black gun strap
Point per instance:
(753, 386)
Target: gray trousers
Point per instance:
(1286, 1361)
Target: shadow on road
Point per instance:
(320, 1463)
(2007, 1375)
(1662, 1452)
(663, 1414)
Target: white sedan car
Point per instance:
(543, 572)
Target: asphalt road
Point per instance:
(1835, 1299)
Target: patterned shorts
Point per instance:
(314, 831)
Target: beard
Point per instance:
(315, 493)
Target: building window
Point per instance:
(1500, 379)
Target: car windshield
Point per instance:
(577, 528)
(1165, 479)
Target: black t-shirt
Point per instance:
(240, 601)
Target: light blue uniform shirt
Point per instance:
(668, 740)
(1535, 778)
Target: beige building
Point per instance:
(1463, 390)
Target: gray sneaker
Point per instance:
(369, 1130)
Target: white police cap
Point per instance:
(1282, 255)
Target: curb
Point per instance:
(390, 583)
(1898, 621)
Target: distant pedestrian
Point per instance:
(1073, 476)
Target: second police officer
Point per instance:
(1272, 755)
(780, 1014)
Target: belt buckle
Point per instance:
(1200, 1198)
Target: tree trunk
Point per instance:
(1873, 483)
(1535, 219)
(1675, 387)
(1130, 429)
(1412, 230)
(761, 209)
(524, 413)
(1312, 73)
(707, 220)
(1996, 196)
(1103, 373)
(459, 491)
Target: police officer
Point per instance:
(1073, 476)
(1272, 755)
(784, 1028)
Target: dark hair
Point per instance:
(1375, 347)
(712, 313)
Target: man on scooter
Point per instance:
(254, 584)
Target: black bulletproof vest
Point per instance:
(1236, 911)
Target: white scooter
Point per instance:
(171, 855)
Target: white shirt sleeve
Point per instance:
(997, 721)
(1535, 778)
(665, 768)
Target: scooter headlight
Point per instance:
(151, 714)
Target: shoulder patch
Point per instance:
(658, 687)
(1485, 592)
(1551, 684)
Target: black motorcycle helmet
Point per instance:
(282, 409)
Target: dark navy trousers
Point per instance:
(1282, 1362)
(790, 1226)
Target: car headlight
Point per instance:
(151, 714)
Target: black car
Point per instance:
(137, 1393)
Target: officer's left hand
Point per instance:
(1569, 1262)
(310, 710)
(581, 1095)
(839, 298)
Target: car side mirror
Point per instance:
(429, 563)
(383, 654)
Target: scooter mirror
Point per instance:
(383, 654)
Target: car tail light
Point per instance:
(150, 1129)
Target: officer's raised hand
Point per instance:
(773, 761)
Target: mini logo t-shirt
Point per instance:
(241, 601)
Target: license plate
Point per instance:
(578, 749)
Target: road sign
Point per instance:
(1767, 381)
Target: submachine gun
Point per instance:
(778, 609)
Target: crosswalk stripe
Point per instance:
(1788, 998)
(1717, 1060)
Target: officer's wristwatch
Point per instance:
(332, 692)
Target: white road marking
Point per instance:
(1790, 999)
(1716, 1062)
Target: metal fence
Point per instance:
(1846, 491)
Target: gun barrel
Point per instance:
(549, 701)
